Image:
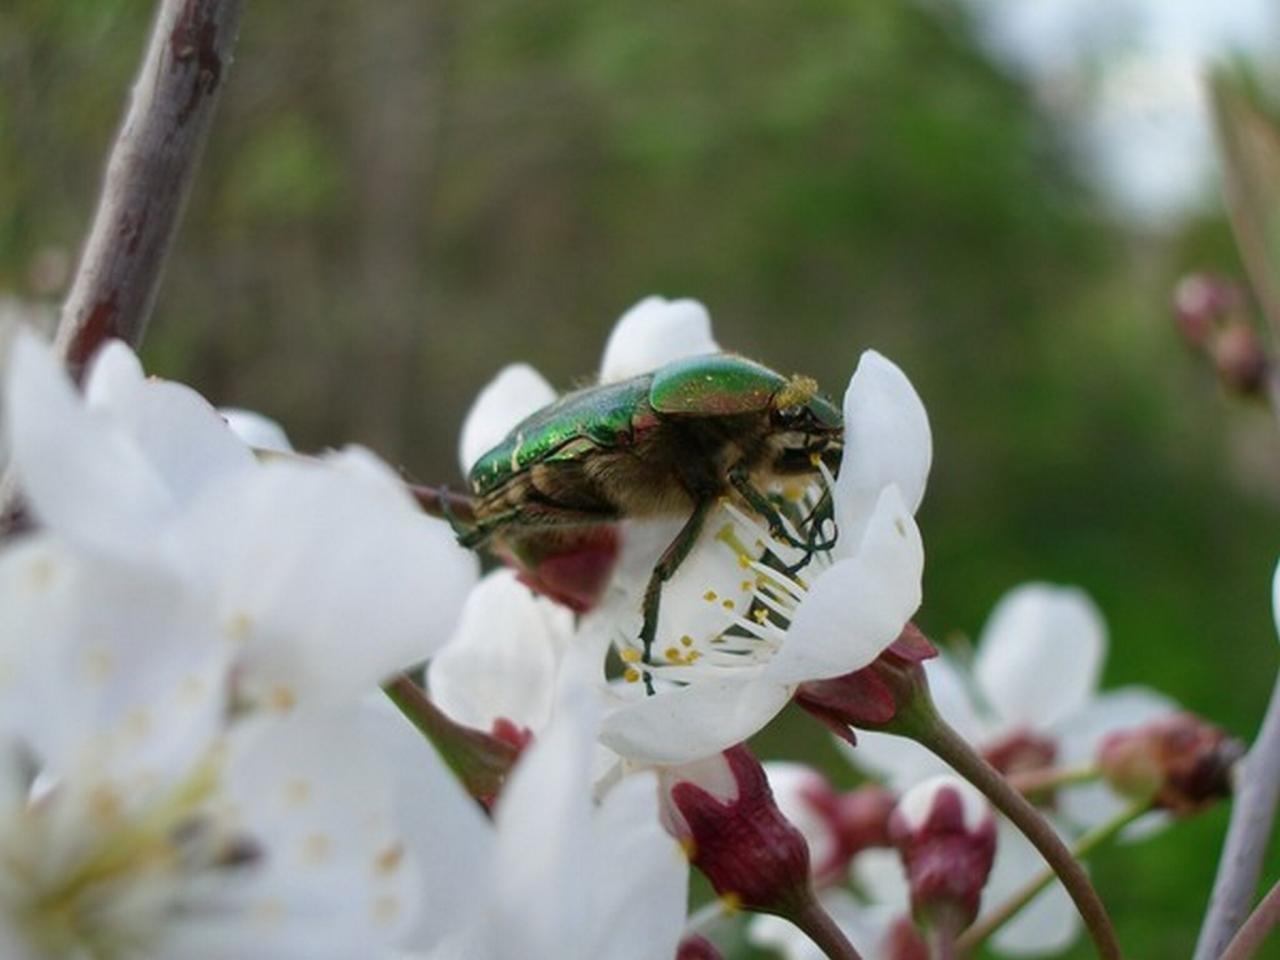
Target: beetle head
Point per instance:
(807, 427)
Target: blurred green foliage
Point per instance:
(400, 197)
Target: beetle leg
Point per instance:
(760, 504)
(675, 554)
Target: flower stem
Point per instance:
(1255, 930)
(480, 761)
(823, 931)
(1252, 814)
(1032, 782)
(1002, 914)
(920, 721)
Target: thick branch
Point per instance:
(1252, 814)
(148, 176)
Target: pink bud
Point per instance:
(947, 838)
(1240, 359)
(1021, 751)
(697, 948)
(1180, 762)
(903, 942)
(741, 841)
(1199, 301)
(873, 696)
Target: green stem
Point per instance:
(1002, 914)
(1033, 782)
(919, 720)
(480, 761)
(823, 931)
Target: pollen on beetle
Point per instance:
(798, 391)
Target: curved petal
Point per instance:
(693, 722)
(653, 333)
(81, 474)
(184, 439)
(881, 877)
(860, 604)
(643, 917)
(255, 430)
(517, 391)
(1275, 599)
(1049, 923)
(326, 575)
(792, 785)
(1081, 734)
(501, 661)
(1040, 654)
(886, 441)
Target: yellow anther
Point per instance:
(731, 904)
(630, 655)
(687, 640)
(631, 675)
(761, 615)
(671, 653)
(745, 586)
(389, 860)
(728, 605)
(709, 596)
(744, 561)
(814, 459)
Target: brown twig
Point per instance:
(149, 175)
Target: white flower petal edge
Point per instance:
(1049, 923)
(502, 660)
(1275, 599)
(70, 463)
(887, 441)
(695, 721)
(1040, 654)
(859, 605)
(517, 391)
(256, 430)
(653, 333)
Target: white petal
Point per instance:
(1040, 654)
(337, 879)
(879, 874)
(1081, 734)
(255, 430)
(1275, 599)
(886, 441)
(696, 721)
(326, 574)
(652, 334)
(540, 887)
(443, 827)
(860, 604)
(133, 664)
(1045, 926)
(81, 474)
(502, 659)
(183, 438)
(517, 391)
(642, 916)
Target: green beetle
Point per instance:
(664, 444)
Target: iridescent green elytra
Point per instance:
(666, 443)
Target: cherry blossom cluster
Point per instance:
(197, 760)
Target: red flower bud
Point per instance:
(697, 948)
(740, 840)
(873, 696)
(1199, 301)
(903, 942)
(947, 838)
(1240, 359)
(1180, 762)
(570, 566)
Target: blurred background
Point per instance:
(401, 196)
